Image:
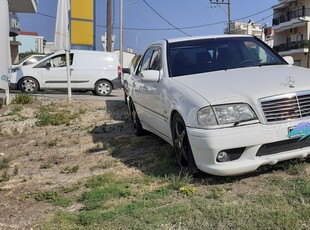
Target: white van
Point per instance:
(90, 70)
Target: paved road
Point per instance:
(115, 95)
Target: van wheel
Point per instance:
(103, 88)
(28, 85)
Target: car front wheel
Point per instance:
(103, 88)
(28, 85)
(136, 124)
(182, 147)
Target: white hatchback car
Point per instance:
(228, 104)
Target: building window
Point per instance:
(297, 62)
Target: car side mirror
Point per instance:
(48, 65)
(150, 76)
(126, 70)
(289, 60)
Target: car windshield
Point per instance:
(31, 59)
(207, 55)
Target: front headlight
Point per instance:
(225, 114)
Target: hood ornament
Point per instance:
(290, 82)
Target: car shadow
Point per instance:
(148, 153)
(152, 155)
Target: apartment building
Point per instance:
(249, 27)
(291, 25)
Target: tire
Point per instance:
(182, 147)
(103, 88)
(135, 121)
(125, 96)
(28, 85)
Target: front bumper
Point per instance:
(206, 144)
(13, 86)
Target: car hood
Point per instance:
(247, 84)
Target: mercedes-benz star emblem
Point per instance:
(290, 81)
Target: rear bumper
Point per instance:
(117, 83)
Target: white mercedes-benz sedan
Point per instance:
(227, 104)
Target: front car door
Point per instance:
(149, 96)
(54, 72)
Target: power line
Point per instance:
(175, 28)
(165, 19)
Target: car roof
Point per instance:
(172, 40)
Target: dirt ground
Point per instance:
(38, 157)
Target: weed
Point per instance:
(46, 165)
(16, 170)
(68, 170)
(48, 115)
(5, 176)
(216, 193)
(23, 99)
(16, 109)
(71, 188)
(103, 165)
(52, 143)
(180, 180)
(187, 190)
(4, 163)
(52, 197)
(297, 169)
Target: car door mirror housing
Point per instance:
(48, 65)
(289, 60)
(150, 75)
(126, 70)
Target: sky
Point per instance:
(146, 21)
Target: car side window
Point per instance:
(150, 60)
(155, 60)
(145, 62)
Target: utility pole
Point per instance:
(224, 2)
(109, 26)
(121, 34)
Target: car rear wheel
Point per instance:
(136, 124)
(182, 147)
(103, 88)
(28, 85)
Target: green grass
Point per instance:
(53, 198)
(52, 115)
(178, 201)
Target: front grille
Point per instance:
(282, 146)
(286, 107)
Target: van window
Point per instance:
(55, 62)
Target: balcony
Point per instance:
(23, 6)
(292, 47)
(289, 15)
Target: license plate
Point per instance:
(290, 135)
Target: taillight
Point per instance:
(119, 71)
